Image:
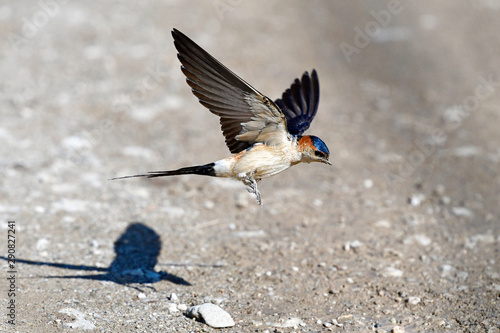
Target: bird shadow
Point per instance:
(137, 251)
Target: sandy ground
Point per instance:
(402, 233)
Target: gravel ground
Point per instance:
(402, 234)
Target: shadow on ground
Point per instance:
(137, 252)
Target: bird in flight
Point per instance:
(265, 137)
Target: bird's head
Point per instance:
(313, 149)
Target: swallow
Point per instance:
(264, 137)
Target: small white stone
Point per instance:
(355, 244)
(250, 233)
(462, 211)
(398, 329)
(414, 300)
(350, 280)
(383, 224)
(336, 323)
(416, 199)
(392, 272)
(446, 270)
(211, 314)
(295, 269)
(419, 239)
(172, 307)
(445, 200)
(422, 239)
(76, 142)
(368, 183)
(40, 209)
(173, 297)
(141, 296)
(182, 307)
(42, 244)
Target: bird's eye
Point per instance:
(319, 154)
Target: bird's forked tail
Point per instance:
(205, 170)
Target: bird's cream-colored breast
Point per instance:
(260, 161)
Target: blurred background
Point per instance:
(409, 107)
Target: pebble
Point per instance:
(172, 307)
(250, 233)
(40, 209)
(173, 297)
(446, 270)
(211, 314)
(336, 323)
(414, 300)
(392, 272)
(42, 244)
(345, 317)
(462, 211)
(416, 199)
(368, 183)
(445, 200)
(419, 239)
(76, 142)
(398, 329)
(383, 224)
(355, 244)
(182, 307)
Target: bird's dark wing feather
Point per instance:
(300, 103)
(246, 116)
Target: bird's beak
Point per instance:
(326, 162)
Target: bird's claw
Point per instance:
(252, 188)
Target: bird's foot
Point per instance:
(252, 188)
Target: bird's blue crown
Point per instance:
(319, 144)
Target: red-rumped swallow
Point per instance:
(265, 137)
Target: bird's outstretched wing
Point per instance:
(246, 116)
(300, 103)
